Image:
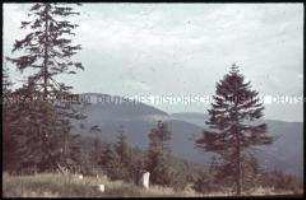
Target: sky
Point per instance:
(154, 51)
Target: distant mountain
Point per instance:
(107, 107)
(191, 117)
(285, 153)
(111, 112)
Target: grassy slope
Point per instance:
(56, 185)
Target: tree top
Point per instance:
(234, 68)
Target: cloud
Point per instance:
(136, 86)
(182, 48)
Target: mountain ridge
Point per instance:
(139, 118)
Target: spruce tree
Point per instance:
(158, 154)
(46, 51)
(108, 159)
(137, 164)
(9, 158)
(34, 136)
(124, 156)
(123, 149)
(96, 148)
(235, 123)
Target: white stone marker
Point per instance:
(101, 187)
(145, 180)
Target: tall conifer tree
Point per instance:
(234, 123)
(8, 116)
(158, 154)
(47, 51)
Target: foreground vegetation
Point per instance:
(57, 185)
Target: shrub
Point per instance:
(205, 183)
(281, 181)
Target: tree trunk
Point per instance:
(238, 150)
(238, 176)
(238, 163)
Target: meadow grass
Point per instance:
(48, 185)
(57, 185)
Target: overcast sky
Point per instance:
(183, 49)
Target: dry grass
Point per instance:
(48, 185)
(258, 191)
(57, 185)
